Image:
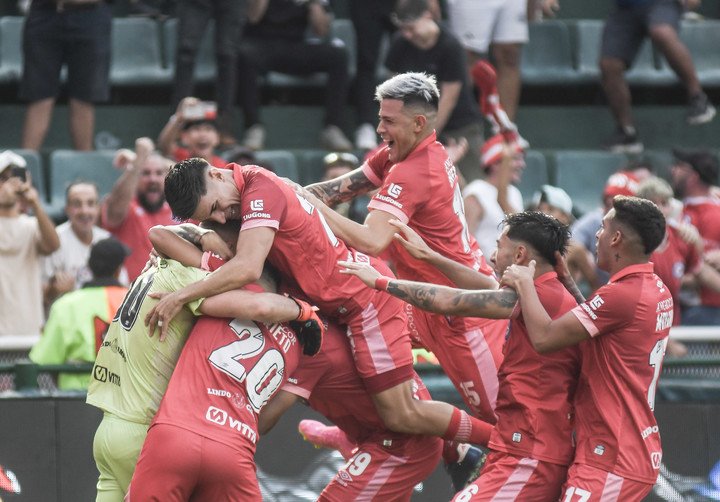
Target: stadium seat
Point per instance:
(136, 55)
(583, 173)
(11, 58)
(341, 32)
(282, 162)
(547, 58)
(310, 164)
(703, 40)
(534, 175)
(67, 166)
(205, 65)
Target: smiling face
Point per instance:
(201, 139)
(399, 128)
(150, 188)
(82, 207)
(221, 202)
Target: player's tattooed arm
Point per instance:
(342, 189)
(492, 304)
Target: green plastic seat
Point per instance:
(136, 55)
(282, 162)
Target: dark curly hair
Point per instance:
(185, 185)
(541, 231)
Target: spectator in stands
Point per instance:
(693, 175)
(500, 25)
(137, 201)
(78, 321)
(423, 45)
(23, 240)
(372, 22)
(191, 132)
(67, 268)
(625, 29)
(276, 39)
(488, 201)
(75, 33)
(554, 201)
(336, 165)
(193, 18)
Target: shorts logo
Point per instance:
(344, 477)
(257, 205)
(394, 190)
(599, 450)
(516, 437)
(656, 458)
(216, 415)
(100, 373)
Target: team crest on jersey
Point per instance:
(656, 459)
(394, 190)
(257, 205)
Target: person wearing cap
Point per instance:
(338, 164)
(191, 132)
(136, 202)
(694, 174)
(422, 44)
(24, 239)
(487, 201)
(67, 268)
(78, 320)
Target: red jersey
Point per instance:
(331, 385)
(227, 371)
(629, 320)
(305, 251)
(672, 259)
(182, 153)
(535, 397)
(422, 191)
(133, 232)
(704, 213)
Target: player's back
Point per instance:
(228, 370)
(132, 369)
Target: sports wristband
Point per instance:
(381, 283)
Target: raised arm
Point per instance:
(491, 304)
(546, 334)
(117, 203)
(49, 241)
(341, 189)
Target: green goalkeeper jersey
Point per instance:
(132, 370)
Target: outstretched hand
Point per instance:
(162, 313)
(514, 275)
(363, 271)
(411, 240)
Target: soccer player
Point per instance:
(419, 186)
(132, 370)
(386, 465)
(201, 443)
(625, 326)
(532, 440)
(286, 229)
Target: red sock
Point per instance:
(466, 429)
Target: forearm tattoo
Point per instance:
(482, 301)
(452, 301)
(189, 232)
(420, 295)
(341, 189)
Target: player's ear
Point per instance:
(420, 121)
(521, 255)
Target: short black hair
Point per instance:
(643, 217)
(185, 185)
(545, 233)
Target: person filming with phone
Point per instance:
(192, 131)
(24, 239)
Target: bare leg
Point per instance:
(666, 39)
(82, 124)
(37, 121)
(507, 59)
(617, 90)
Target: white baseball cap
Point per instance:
(556, 197)
(8, 158)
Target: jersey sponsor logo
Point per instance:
(589, 311)
(102, 374)
(599, 450)
(666, 304)
(656, 459)
(664, 321)
(222, 418)
(394, 190)
(661, 286)
(450, 171)
(256, 214)
(392, 202)
(292, 380)
(650, 430)
(516, 437)
(113, 345)
(596, 302)
(218, 392)
(257, 205)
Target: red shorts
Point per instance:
(380, 342)
(590, 484)
(507, 477)
(176, 464)
(378, 472)
(469, 351)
